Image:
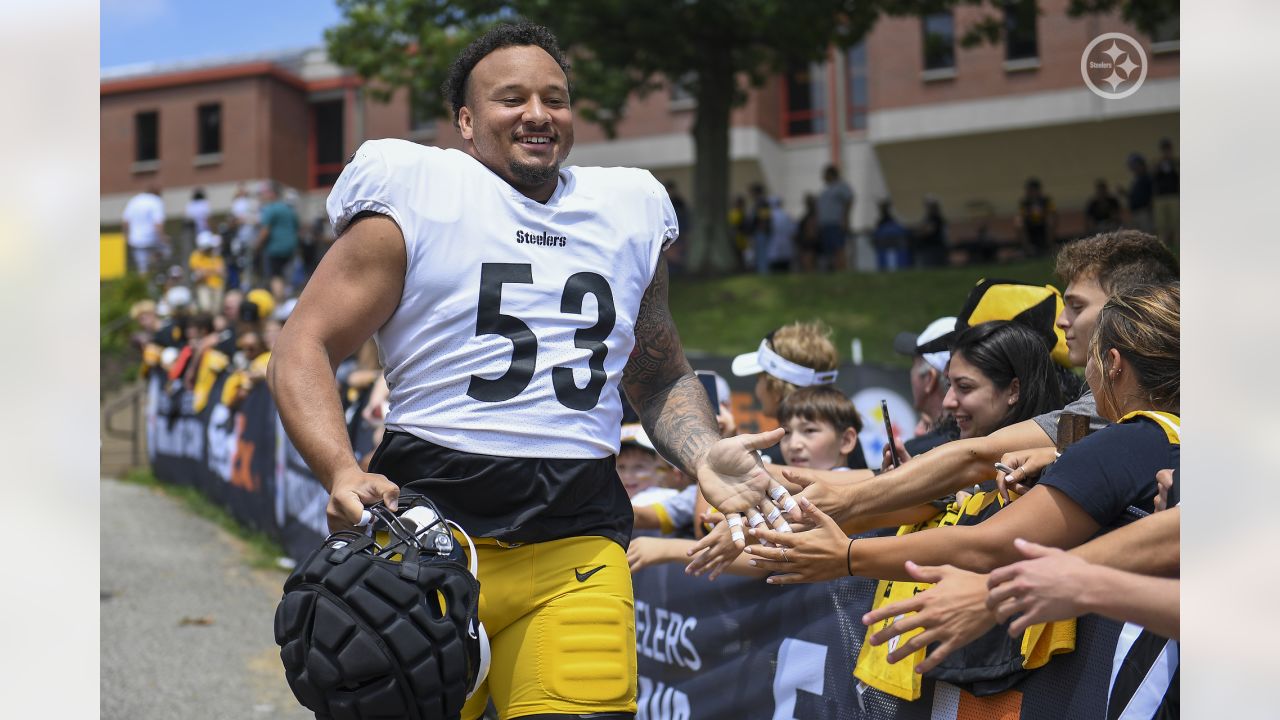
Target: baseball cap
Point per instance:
(1036, 306)
(207, 240)
(765, 360)
(908, 344)
(178, 296)
(262, 300)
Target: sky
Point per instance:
(142, 31)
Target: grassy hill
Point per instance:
(730, 315)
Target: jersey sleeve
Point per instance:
(363, 186)
(679, 508)
(665, 212)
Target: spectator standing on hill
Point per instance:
(675, 253)
(1165, 202)
(278, 237)
(738, 222)
(1141, 193)
(208, 272)
(758, 226)
(808, 242)
(244, 222)
(1102, 214)
(891, 241)
(835, 202)
(782, 230)
(198, 212)
(144, 227)
(1036, 218)
(929, 244)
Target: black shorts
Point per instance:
(512, 499)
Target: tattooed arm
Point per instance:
(661, 386)
(676, 413)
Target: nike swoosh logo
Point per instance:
(582, 576)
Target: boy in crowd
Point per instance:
(640, 468)
(822, 428)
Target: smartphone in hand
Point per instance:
(888, 432)
(708, 380)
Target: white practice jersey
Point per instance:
(517, 317)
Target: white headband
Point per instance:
(783, 369)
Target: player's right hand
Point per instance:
(351, 491)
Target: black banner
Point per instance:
(738, 647)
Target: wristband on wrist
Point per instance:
(848, 557)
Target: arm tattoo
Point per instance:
(661, 385)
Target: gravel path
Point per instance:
(186, 623)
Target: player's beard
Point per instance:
(529, 174)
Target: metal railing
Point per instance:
(131, 400)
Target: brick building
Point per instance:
(907, 112)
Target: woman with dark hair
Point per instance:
(1000, 374)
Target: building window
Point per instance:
(859, 98)
(805, 108)
(209, 129)
(327, 135)
(421, 120)
(146, 136)
(1020, 30)
(939, 41)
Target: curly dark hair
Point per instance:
(1119, 261)
(499, 36)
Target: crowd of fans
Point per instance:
(1029, 496)
(768, 239)
(218, 310)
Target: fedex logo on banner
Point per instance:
(663, 635)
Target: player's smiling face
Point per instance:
(517, 120)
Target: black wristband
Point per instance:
(848, 557)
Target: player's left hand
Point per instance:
(734, 480)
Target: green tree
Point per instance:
(714, 48)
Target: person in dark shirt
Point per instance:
(1140, 195)
(1165, 203)
(891, 240)
(1103, 211)
(929, 242)
(1036, 218)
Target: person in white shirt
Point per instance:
(510, 298)
(198, 211)
(144, 227)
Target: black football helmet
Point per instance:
(367, 631)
